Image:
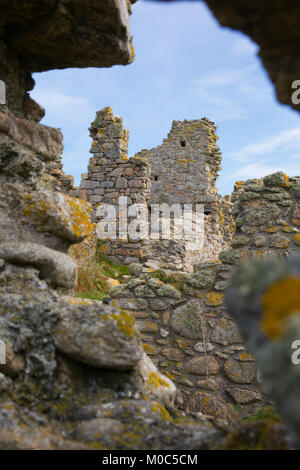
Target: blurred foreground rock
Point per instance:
(264, 299)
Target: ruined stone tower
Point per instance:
(183, 170)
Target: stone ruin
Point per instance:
(184, 324)
(183, 170)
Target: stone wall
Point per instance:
(111, 175)
(183, 170)
(190, 336)
(183, 322)
(267, 217)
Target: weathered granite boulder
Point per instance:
(96, 335)
(264, 298)
(59, 269)
(76, 377)
(38, 36)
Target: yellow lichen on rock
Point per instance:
(279, 303)
(214, 299)
(58, 213)
(80, 217)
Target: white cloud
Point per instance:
(230, 93)
(223, 77)
(258, 170)
(290, 139)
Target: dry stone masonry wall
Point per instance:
(111, 175)
(183, 170)
(267, 217)
(182, 319)
(187, 331)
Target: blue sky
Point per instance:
(186, 67)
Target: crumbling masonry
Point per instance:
(183, 170)
(184, 325)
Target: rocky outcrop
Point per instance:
(75, 376)
(264, 299)
(38, 36)
(267, 218)
(266, 23)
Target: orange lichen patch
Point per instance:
(184, 343)
(286, 180)
(221, 215)
(297, 239)
(271, 229)
(288, 229)
(125, 322)
(68, 215)
(261, 254)
(80, 220)
(151, 350)
(279, 303)
(245, 357)
(103, 248)
(206, 405)
(281, 243)
(169, 374)
(214, 299)
(132, 53)
(79, 301)
(155, 380)
(157, 407)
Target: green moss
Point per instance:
(92, 295)
(94, 270)
(172, 280)
(266, 413)
(109, 268)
